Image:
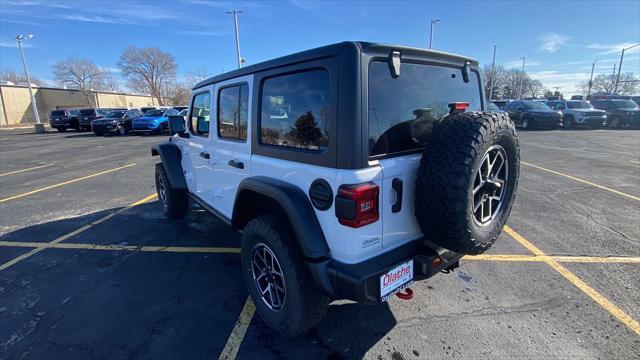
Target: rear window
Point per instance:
(87, 112)
(115, 114)
(402, 111)
(58, 113)
(578, 105)
(295, 110)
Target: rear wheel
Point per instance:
(467, 181)
(277, 278)
(175, 203)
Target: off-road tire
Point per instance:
(446, 175)
(304, 306)
(175, 203)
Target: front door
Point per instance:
(231, 139)
(198, 151)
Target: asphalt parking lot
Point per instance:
(90, 268)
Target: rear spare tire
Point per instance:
(467, 181)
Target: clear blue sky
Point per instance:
(560, 39)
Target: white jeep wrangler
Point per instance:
(351, 169)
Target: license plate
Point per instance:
(396, 279)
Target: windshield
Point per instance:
(578, 105)
(624, 104)
(87, 112)
(535, 105)
(402, 111)
(154, 113)
(58, 113)
(491, 107)
(115, 114)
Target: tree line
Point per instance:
(146, 70)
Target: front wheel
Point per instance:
(616, 123)
(277, 278)
(568, 122)
(61, 129)
(175, 203)
(525, 124)
(121, 130)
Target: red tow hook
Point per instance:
(406, 294)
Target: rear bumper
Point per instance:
(361, 282)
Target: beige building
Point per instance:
(15, 102)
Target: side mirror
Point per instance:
(176, 125)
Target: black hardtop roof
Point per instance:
(332, 50)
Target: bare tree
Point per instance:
(498, 80)
(606, 83)
(17, 78)
(109, 81)
(195, 76)
(77, 73)
(148, 70)
(534, 88)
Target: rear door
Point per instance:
(231, 139)
(402, 113)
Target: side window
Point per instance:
(233, 102)
(199, 120)
(295, 110)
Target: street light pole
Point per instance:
(39, 127)
(615, 91)
(591, 78)
(493, 73)
(433, 22)
(521, 78)
(235, 23)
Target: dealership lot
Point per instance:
(90, 268)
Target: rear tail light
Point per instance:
(357, 205)
(458, 107)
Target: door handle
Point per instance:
(236, 164)
(396, 184)
(205, 155)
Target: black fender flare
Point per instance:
(294, 203)
(171, 157)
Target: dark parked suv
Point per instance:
(117, 122)
(62, 120)
(88, 115)
(532, 113)
(620, 113)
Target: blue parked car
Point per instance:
(153, 121)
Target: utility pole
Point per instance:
(521, 78)
(39, 127)
(615, 91)
(591, 78)
(493, 73)
(433, 22)
(235, 23)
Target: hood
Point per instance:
(149, 118)
(542, 111)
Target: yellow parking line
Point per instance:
(24, 170)
(543, 258)
(65, 183)
(582, 181)
(630, 322)
(239, 330)
(74, 246)
(75, 232)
